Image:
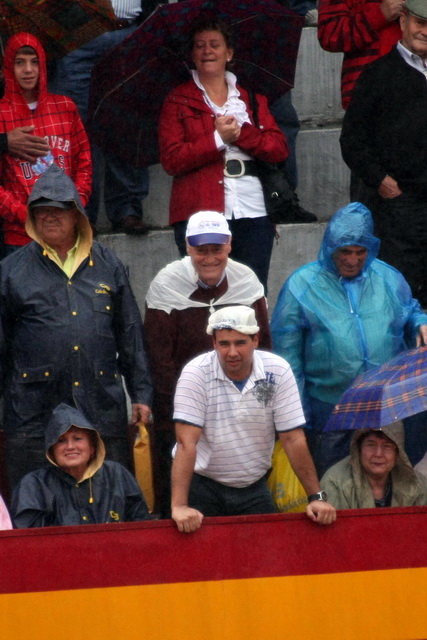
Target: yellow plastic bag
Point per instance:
(142, 461)
(287, 491)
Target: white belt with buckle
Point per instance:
(241, 171)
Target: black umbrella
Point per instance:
(132, 81)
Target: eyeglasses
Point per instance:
(39, 212)
(385, 447)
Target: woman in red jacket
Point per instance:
(208, 143)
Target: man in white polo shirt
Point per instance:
(229, 403)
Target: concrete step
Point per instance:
(317, 93)
(324, 178)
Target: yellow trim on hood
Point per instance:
(95, 464)
(83, 248)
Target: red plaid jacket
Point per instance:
(359, 30)
(56, 118)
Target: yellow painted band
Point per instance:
(377, 605)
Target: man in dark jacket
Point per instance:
(384, 142)
(71, 329)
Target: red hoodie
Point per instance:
(55, 118)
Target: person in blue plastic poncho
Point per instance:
(340, 316)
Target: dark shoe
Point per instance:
(132, 225)
(302, 216)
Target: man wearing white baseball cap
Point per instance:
(207, 227)
(178, 305)
(229, 404)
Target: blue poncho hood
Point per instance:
(351, 225)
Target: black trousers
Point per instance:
(401, 225)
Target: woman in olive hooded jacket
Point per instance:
(377, 473)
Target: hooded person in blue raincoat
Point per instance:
(340, 316)
(71, 330)
(77, 486)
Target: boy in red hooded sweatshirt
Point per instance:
(27, 102)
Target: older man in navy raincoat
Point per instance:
(71, 328)
(340, 316)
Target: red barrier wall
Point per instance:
(248, 578)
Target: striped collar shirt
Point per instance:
(127, 9)
(238, 426)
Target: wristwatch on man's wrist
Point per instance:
(320, 495)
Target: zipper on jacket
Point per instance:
(353, 311)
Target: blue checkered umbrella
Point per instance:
(393, 391)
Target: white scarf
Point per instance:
(173, 286)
